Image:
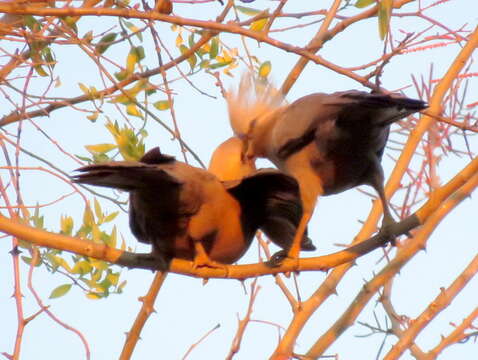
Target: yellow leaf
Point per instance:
(84, 88)
(131, 60)
(132, 110)
(259, 24)
(93, 296)
(179, 40)
(66, 224)
(162, 105)
(93, 117)
(100, 148)
(265, 69)
(384, 15)
(113, 278)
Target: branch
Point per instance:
(456, 335)
(324, 35)
(241, 328)
(146, 309)
(325, 262)
(436, 306)
(388, 272)
(230, 27)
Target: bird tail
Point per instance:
(389, 108)
(252, 100)
(129, 175)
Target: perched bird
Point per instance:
(283, 209)
(328, 142)
(186, 212)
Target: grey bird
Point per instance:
(187, 212)
(328, 142)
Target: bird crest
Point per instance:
(253, 100)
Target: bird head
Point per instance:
(228, 162)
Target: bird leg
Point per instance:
(299, 234)
(202, 259)
(388, 221)
(296, 245)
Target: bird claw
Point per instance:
(278, 258)
(386, 231)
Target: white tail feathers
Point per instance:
(253, 100)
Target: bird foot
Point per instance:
(278, 258)
(387, 231)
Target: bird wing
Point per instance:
(296, 125)
(126, 175)
(317, 114)
(272, 199)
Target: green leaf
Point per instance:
(105, 42)
(214, 49)
(162, 105)
(100, 265)
(113, 278)
(32, 23)
(204, 64)
(82, 267)
(70, 21)
(28, 260)
(111, 217)
(265, 69)
(248, 10)
(98, 212)
(88, 37)
(220, 64)
(121, 75)
(384, 15)
(192, 60)
(112, 240)
(40, 71)
(60, 291)
(191, 40)
(364, 3)
(88, 218)
(49, 58)
(134, 29)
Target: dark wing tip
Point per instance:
(155, 157)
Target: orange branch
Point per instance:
(146, 309)
(435, 307)
(388, 272)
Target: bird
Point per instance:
(329, 142)
(188, 213)
(282, 211)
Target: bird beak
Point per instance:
(244, 148)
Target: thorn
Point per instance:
(15, 251)
(205, 281)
